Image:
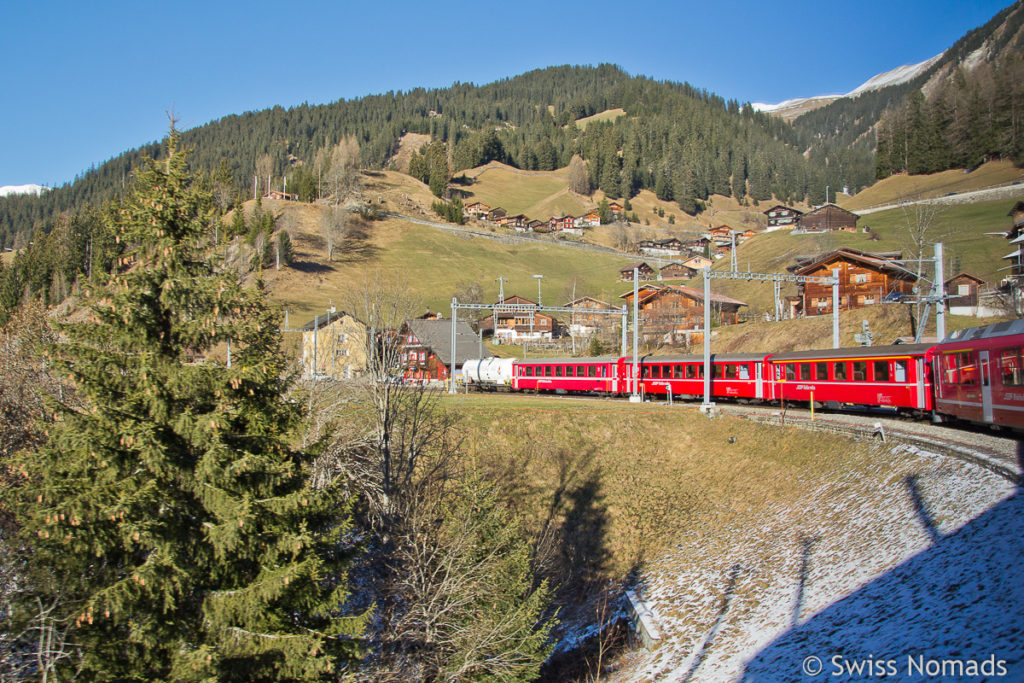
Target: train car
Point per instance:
(735, 376)
(979, 375)
(896, 376)
(568, 375)
(488, 373)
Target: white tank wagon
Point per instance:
(488, 372)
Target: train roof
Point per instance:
(569, 360)
(986, 331)
(699, 358)
(855, 352)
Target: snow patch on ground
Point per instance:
(919, 555)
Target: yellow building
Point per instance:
(335, 346)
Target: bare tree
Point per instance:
(264, 169)
(321, 164)
(335, 224)
(920, 232)
(342, 179)
(579, 178)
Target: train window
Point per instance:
(547, 370)
(860, 370)
(821, 372)
(804, 371)
(645, 370)
(899, 373)
(968, 368)
(1010, 367)
(677, 371)
(743, 372)
(600, 371)
(790, 371)
(691, 372)
(881, 370)
(840, 371)
(656, 370)
(590, 371)
(528, 371)
(558, 371)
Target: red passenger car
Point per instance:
(738, 375)
(979, 375)
(889, 376)
(567, 375)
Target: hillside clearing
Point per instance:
(761, 530)
(897, 188)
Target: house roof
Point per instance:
(787, 208)
(965, 275)
(604, 304)
(437, 336)
(323, 321)
(631, 266)
(649, 291)
(833, 208)
(879, 260)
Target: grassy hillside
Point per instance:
(433, 264)
(608, 115)
(960, 228)
(900, 187)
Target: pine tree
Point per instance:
(170, 514)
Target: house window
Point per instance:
(342, 338)
(963, 290)
(861, 278)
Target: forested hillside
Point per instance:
(681, 142)
(963, 110)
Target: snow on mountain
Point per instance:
(900, 74)
(22, 189)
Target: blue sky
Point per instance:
(85, 81)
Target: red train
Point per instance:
(975, 374)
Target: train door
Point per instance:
(986, 388)
(919, 370)
(758, 381)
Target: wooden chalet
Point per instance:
(865, 279)
(722, 232)
(615, 208)
(496, 214)
(516, 319)
(426, 348)
(671, 246)
(516, 221)
(828, 218)
(535, 225)
(780, 216)
(583, 323)
(644, 272)
(677, 271)
(335, 346)
(668, 313)
(1016, 237)
(963, 290)
(476, 209)
(591, 219)
(698, 263)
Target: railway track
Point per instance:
(1001, 455)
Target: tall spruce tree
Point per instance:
(170, 514)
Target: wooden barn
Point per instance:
(644, 272)
(828, 218)
(780, 216)
(669, 312)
